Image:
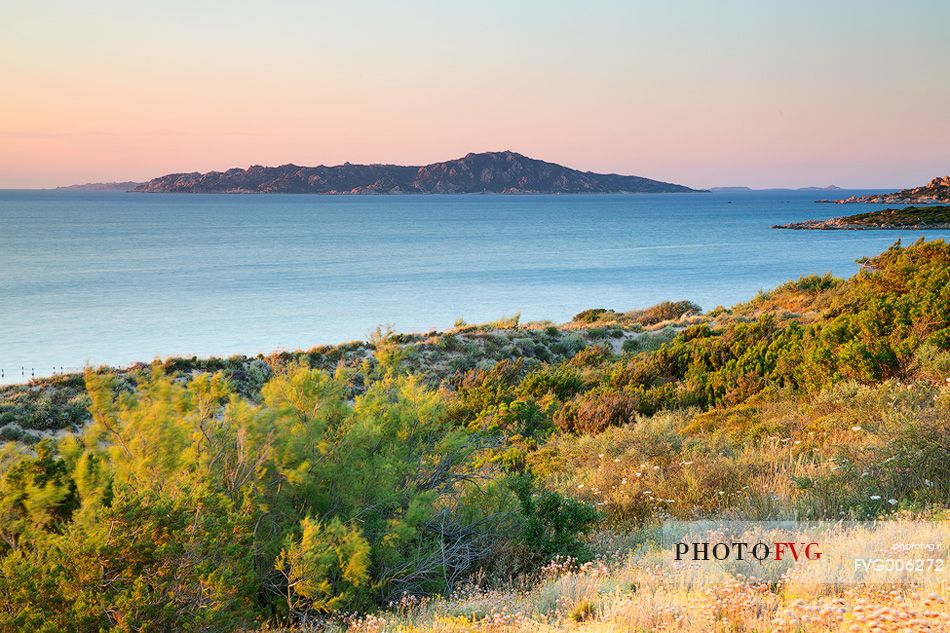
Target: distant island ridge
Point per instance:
(102, 186)
(742, 188)
(488, 172)
(131, 185)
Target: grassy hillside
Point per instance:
(495, 477)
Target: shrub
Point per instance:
(631, 345)
(665, 311)
(562, 381)
(569, 345)
(595, 410)
(595, 315)
(552, 524)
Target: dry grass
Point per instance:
(633, 594)
(849, 453)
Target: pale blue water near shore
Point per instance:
(115, 278)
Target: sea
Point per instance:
(91, 278)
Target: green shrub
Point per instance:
(552, 524)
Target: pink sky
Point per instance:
(703, 94)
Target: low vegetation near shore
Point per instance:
(915, 218)
(490, 478)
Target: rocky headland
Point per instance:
(937, 191)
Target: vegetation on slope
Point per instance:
(935, 217)
(215, 495)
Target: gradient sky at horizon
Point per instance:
(752, 93)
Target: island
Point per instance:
(743, 189)
(916, 218)
(487, 172)
(937, 191)
(102, 186)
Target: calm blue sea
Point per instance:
(119, 277)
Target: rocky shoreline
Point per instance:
(838, 224)
(937, 191)
(907, 219)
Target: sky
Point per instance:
(758, 93)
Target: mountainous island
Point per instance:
(916, 218)
(937, 191)
(488, 172)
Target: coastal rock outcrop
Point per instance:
(937, 191)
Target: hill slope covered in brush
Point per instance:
(290, 490)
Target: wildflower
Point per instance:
(722, 492)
